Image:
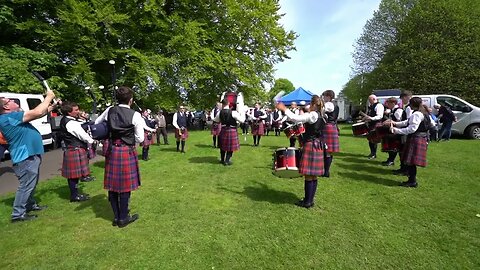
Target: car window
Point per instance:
(454, 104)
(33, 102)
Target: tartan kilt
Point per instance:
(415, 151)
(258, 129)
(229, 139)
(391, 143)
(373, 136)
(184, 135)
(216, 129)
(147, 142)
(311, 162)
(105, 145)
(121, 169)
(330, 138)
(276, 124)
(75, 163)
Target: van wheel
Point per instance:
(474, 132)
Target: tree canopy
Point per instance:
(435, 49)
(170, 51)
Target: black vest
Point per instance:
(227, 119)
(333, 116)
(404, 113)
(314, 131)
(181, 120)
(392, 115)
(121, 125)
(424, 125)
(68, 138)
(372, 112)
(275, 115)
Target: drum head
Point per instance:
(287, 172)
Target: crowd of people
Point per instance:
(403, 130)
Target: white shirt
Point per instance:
(240, 117)
(137, 121)
(398, 112)
(410, 125)
(329, 106)
(379, 110)
(308, 117)
(74, 127)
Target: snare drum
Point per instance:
(360, 129)
(286, 161)
(382, 131)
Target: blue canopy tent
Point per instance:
(298, 95)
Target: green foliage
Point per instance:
(281, 84)
(160, 47)
(198, 214)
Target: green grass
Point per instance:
(198, 214)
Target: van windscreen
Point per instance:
(33, 102)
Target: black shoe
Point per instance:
(409, 184)
(88, 178)
(37, 207)
(326, 174)
(25, 217)
(388, 163)
(80, 198)
(227, 163)
(372, 156)
(128, 220)
(303, 204)
(114, 222)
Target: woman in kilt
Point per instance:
(76, 140)
(330, 131)
(311, 164)
(228, 135)
(121, 160)
(415, 150)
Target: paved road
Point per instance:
(51, 165)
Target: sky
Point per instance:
(327, 31)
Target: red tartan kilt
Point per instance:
(373, 136)
(258, 129)
(276, 124)
(391, 143)
(216, 129)
(184, 135)
(415, 151)
(75, 163)
(311, 162)
(147, 142)
(229, 139)
(330, 138)
(121, 169)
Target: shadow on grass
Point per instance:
(99, 205)
(369, 178)
(263, 193)
(346, 154)
(99, 164)
(204, 146)
(354, 172)
(212, 160)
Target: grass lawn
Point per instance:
(197, 214)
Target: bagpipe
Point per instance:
(234, 98)
(98, 131)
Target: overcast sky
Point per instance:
(327, 31)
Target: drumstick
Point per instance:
(363, 114)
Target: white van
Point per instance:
(28, 102)
(468, 115)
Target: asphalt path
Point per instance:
(51, 166)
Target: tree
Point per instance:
(161, 47)
(281, 84)
(438, 51)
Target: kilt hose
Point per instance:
(229, 139)
(216, 129)
(311, 162)
(147, 142)
(121, 169)
(258, 129)
(182, 137)
(415, 151)
(75, 163)
(373, 136)
(330, 138)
